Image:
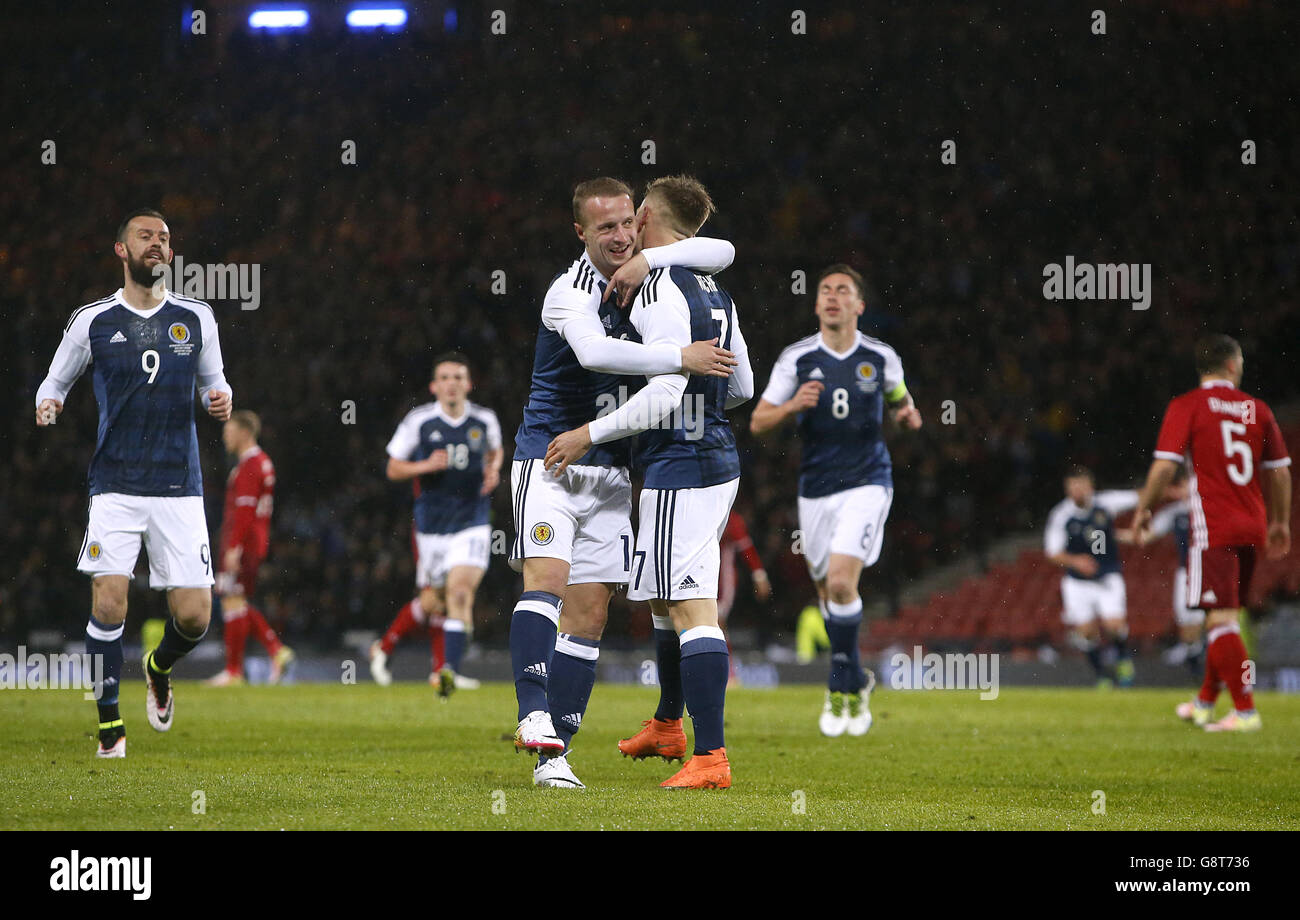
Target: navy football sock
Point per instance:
(668, 655)
(532, 646)
(842, 622)
(455, 641)
(104, 644)
(174, 646)
(705, 667)
(573, 674)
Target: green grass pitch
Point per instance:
(343, 757)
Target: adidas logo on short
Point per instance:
(539, 669)
(816, 374)
(117, 337)
(688, 584)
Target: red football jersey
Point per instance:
(247, 519)
(1227, 436)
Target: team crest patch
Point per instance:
(543, 534)
(866, 375)
(475, 438)
(94, 551)
(179, 333)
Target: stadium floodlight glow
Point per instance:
(277, 19)
(375, 18)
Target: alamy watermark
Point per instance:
(37, 671)
(1104, 281)
(237, 281)
(932, 671)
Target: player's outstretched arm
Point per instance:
(400, 470)
(698, 252)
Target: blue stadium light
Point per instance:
(278, 19)
(450, 20)
(376, 18)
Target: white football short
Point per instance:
(1184, 615)
(1086, 600)
(173, 530)
(436, 554)
(677, 554)
(583, 516)
(848, 523)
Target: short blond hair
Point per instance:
(601, 187)
(686, 200)
(247, 420)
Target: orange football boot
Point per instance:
(703, 771)
(657, 738)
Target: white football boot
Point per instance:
(859, 707)
(834, 719)
(556, 773)
(537, 734)
(379, 665)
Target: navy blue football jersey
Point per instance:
(145, 367)
(563, 394)
(448, 501)
(1089, 531)
(694, 446)
(843, 447)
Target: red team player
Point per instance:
(1231, 441)
(245, 536)
(736, 542)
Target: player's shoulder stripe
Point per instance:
(650, 289)
(191, 303)
(801, 347)
(422, 411)
(584, 278)
(873, 342)
(102, 302)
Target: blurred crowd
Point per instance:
(817, 148)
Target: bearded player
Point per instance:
(245, 538)
(150, 349)
(1231, 441)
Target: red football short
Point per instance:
(1218, 577)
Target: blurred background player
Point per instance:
(688, 453)
(836, 385)
(1080, 537)
(149, 349)
(736, 542)
(451, 450)
(1231, 440)
(245, 538)
(573, 531)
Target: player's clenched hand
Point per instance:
(436, 462)
(806, 396)
(706, 359)
(219, 405)
(567, 448)
(1141, 529)
(230, 559)
(627, 279)
(762, 586)
(1279, 539)
(491, 479)
(908, 417)
(48, 412)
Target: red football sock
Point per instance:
(1210, 686)
(1229, 655)
(406, 621)
(437, 646)
(235, 632)
(263, 632)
